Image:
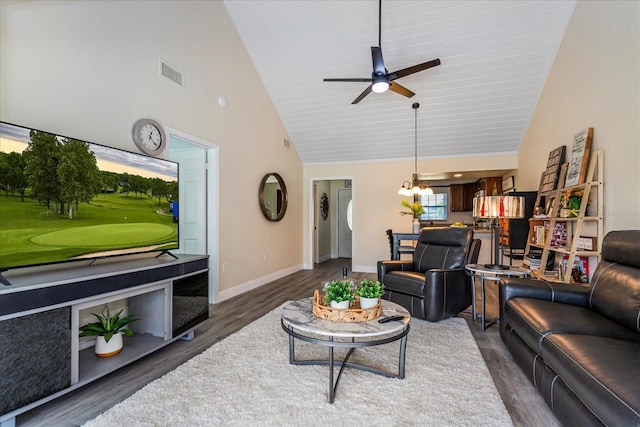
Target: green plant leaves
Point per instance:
(415, 208)
(107, 325)
(370, 289)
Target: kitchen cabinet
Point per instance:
(456, 197)
(461, 196)
(490, 184)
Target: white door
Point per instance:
(192, 203)
(345, 206)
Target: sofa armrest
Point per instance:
(510, 288)
(446, 293)
(541, 289)
(386, 266)
(449, 274)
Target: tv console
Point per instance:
(42, 356)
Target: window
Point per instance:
(435, 207)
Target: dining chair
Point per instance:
(402, 249)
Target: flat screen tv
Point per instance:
(63, 200)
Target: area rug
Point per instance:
(246, 380)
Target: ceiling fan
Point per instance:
(381, 79)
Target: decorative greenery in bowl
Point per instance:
(415, 208)
(370, 289)
(338, 291)
(107, 325)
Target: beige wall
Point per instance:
(376, 201)
(90, 69)
(594, 82)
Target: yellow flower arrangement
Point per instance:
(572, 199)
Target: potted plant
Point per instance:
(370, 292)
(108, 331)
(415, 209)
(339, 294)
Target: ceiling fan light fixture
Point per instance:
(380, 83)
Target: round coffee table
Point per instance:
(299, 322)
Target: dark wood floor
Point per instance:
(521, 399)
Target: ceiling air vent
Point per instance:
(171, 73)
(286, 143)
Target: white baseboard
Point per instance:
(365, 269)
(255, 283)
(324, 258)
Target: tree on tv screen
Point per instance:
(61, 172)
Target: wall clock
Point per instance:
(324, 206)
(149, 136)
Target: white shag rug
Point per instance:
(246, 380)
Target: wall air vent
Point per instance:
(286, 143)
(171, 73)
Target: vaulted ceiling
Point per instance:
(495, 57)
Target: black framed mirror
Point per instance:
(272, 196)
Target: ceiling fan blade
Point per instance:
(365, 80)
(378, 62)
(360, 97)
(414, 69)
(398, 88)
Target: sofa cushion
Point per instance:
(603, 372)
(534, 319)
(408, 282)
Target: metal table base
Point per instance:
(352, 346)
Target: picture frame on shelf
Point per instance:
(550, 175)
(541, 186)
(548, 210)
(508, 185)
(586, 243)
(579, 272)
(579, 161)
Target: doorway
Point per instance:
(331, 219)
(198, 199)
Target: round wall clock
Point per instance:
(324, 206)
(149, 136)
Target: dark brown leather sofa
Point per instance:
(434, 285)
(580, 345)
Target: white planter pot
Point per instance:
(368, 302)
(416, 226)
(343, 305)
(108, 349)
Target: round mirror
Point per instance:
(272, 196)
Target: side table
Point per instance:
(483, 273)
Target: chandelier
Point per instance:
(414, 188)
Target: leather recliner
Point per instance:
(434, 285)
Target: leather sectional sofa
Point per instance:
(580, 345)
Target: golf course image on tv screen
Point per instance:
(62, 199)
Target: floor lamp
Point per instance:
(493, 208)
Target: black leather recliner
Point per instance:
(434, 286)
